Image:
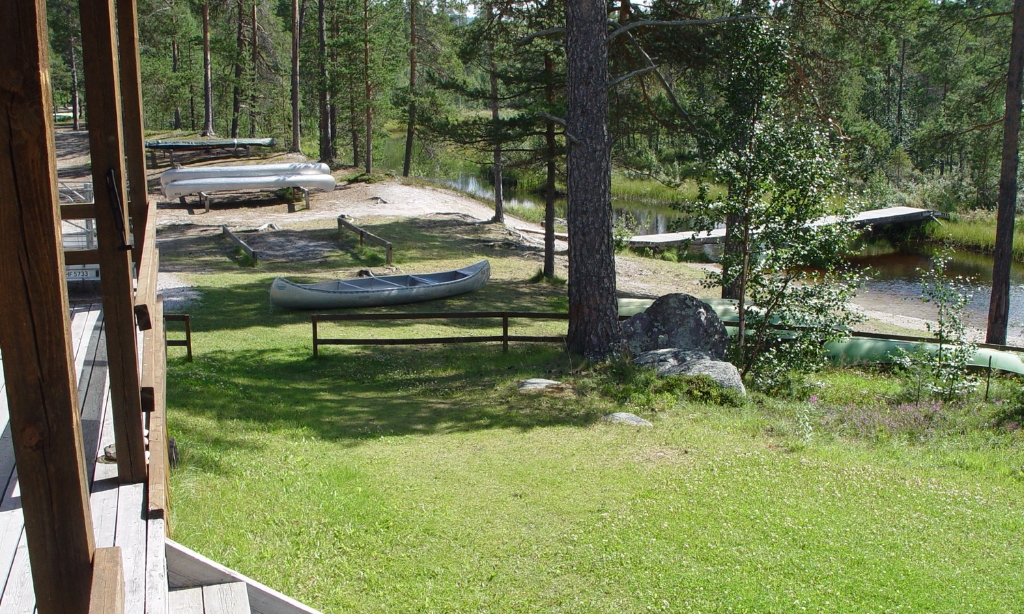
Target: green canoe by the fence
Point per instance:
(856, 350)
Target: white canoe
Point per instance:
(244, 170)
(378, 291)
(184, 187)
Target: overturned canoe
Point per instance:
(243, 170)
(184, 187)
(378, 291)
(208, 143)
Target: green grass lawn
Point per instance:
(417, 479)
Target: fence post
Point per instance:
(362, 236)
(388, 257)
(316, 352)
(988, 378)
(188, 336)
(504, 332)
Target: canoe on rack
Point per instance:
(378, 291)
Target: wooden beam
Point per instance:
(159, 454)
(35, 331)
(78, 211)
(106, 147)
(253, 255)
(145, 293)
(107, 582)
(134, 140)
(81, 256)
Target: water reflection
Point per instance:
(639, 218)
(895, 281)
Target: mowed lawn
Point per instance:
(417, 479)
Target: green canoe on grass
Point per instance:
(856, 350)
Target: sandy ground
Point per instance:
(637, 277)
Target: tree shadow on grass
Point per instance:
(365, 394)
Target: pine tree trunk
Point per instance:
(236, 97)
(999, 305)
(353, 122)
(499, 180)
(593, 312)
(208, 129)
(549, 186)
(296, 132)
(255, 74)
(326, 146)
(174, 70)
(410, 129)
(75, 102)
(368, 158)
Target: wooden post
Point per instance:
(99, 50)
(35, 331)
(107, 582)
(134, 140)
(315, 349)
(504, 332)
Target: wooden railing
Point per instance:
(149, 315)
(365, 236)
(504, 337)
(187, 341)
(240, 243)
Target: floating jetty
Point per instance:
(875, 217)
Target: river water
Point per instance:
(894, 283)
(644, 218)
(894, 273)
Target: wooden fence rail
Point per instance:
(504, 337)
(253, 256)
(187, 341)
(365, 236)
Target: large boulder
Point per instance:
(672, 361)
(675, 321)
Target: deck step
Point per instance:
(230, 598)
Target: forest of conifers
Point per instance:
(910, 91)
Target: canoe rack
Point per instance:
(365, 236)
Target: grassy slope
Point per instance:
(418, 480)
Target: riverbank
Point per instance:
(975, 231)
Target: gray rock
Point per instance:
(539, 385)
(669, 357)
(673, 361)
(627, 418)
(675, 321)
(727, 375)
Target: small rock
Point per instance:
(627, 418)
(726, 374)
(669, 357)
(538, 384)
(673, 361)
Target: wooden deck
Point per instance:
(121, 515)
(875, 217)
(119, 510)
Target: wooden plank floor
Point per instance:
(119, 511)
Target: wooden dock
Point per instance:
(873, 218)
